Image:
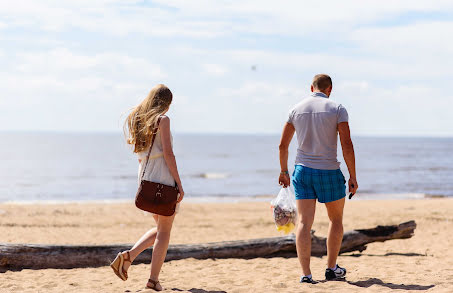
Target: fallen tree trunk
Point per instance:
(20, 256)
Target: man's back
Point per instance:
(317, 177)
(315, 120)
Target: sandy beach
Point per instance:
(422, 263)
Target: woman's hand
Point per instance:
(181, 192)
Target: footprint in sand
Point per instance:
(279, 286)
(49, 285)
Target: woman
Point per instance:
(161, 168)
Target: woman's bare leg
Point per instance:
(164, 225)
(146, 241)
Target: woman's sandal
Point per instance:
(155, 283)
(118, 265)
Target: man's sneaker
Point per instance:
(337, 273)
(307, 280)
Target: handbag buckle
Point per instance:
(158, 194)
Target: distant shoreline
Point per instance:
(214, 168)
(230, 199)
(259, 134)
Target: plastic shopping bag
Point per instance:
(285, 211)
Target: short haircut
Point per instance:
(321, 81)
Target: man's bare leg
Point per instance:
(306, 209)
(335, 236)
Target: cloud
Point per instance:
(117, 18)
(412, 109)
(63, 61)
(353, 86)
(297, 65)
(406, 109)
(300, 17)
(207, 19)
(45, 75)
(76, 65)
(59, 84)
(419, 40)
(262, 92)
(215, 69)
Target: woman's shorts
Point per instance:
(324, 185)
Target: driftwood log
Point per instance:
(21, 256)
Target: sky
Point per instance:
(233, 66)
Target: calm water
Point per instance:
(49, 166)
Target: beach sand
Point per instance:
(423, 263)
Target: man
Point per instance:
(317, 175)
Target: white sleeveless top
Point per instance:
(156, 170)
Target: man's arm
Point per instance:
(287, 136)
(348, 154)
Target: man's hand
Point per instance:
(348, 154)
(287, 135)
(284, 180)
(353, 185)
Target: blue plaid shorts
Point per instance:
(324, 185)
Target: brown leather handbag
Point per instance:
(156, 198)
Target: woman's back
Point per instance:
(160, 167)
(156, 169)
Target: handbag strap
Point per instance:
(151, 146)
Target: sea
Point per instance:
(67, 167)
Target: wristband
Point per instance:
(284, 172)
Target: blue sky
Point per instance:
(81, 65)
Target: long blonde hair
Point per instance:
(139, 124)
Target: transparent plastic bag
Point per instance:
(284, 210)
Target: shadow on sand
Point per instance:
(374, 281)
(387, 254)
(195, 290)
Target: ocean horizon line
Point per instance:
(209, 133)
(224, 199)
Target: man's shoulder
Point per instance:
(303, 103)
(318, 105)
(311, 101)
(333, 105)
